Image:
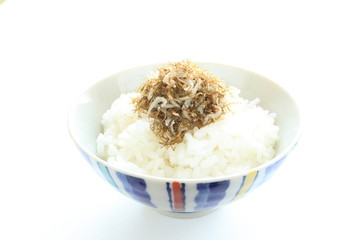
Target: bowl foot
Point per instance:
(185, 215)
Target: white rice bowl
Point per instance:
(243, 138)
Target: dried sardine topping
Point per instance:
(179, 97)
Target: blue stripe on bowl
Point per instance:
(133, 186)
(270, 170)
(136, 188)
(169, 191)
(210, 194)
(105, 172)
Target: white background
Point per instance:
(51, 51)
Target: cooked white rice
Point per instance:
(243, 138)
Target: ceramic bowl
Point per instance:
(182, 197)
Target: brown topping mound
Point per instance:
(179, 98)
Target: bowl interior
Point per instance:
(85, 116)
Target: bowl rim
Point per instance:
(239, 174)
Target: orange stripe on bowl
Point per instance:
(178, 200)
